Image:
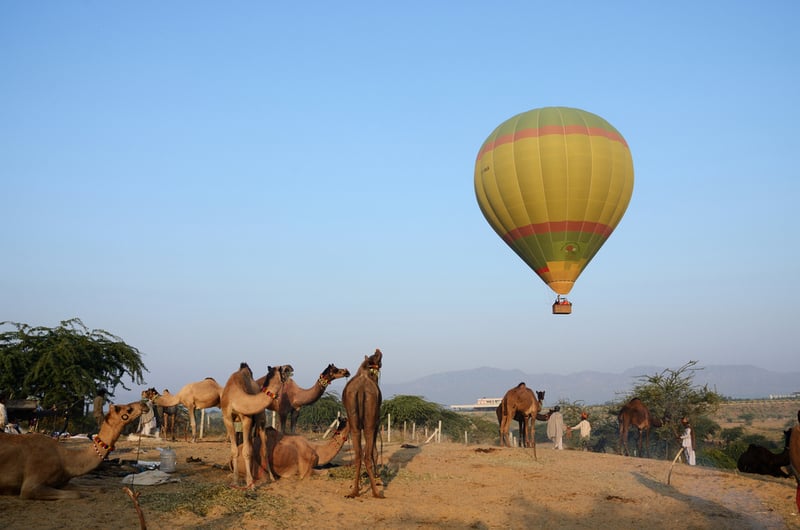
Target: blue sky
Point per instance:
(294, 184)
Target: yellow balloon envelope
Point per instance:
(554, 183)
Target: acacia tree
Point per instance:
(63, 366)
(672, 395)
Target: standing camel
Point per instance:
(293, 397)
(794, 458)
(242, 398)
(636, 414)
(522, 404)
(520, 417)
(200, 395)
(362, 401)
(35, 466)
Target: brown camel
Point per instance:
(362, 401)
(636, 414)
(522, 404)
(242, 399)
(520, 417)
(168, 414)
(794, 458)
(35, 466)
(199, 395)
(293, 397)
(293, 454)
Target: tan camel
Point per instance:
(522, 404)
(794, 458)
(242, 399)
(362, 401)
(199, 395)
(35, 466)
(293, 397)
(636, 414)
(293, 454)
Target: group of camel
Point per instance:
(35, 466)
(522, 404)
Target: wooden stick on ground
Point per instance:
(135, 498)
(669, 475)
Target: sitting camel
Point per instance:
(199, 395)
(293, 397)
(522, 404)
(293, 454)
(759, 459)
(636, 414)
(35, 466)
(362, 401)
(242, 399)
(794, 458)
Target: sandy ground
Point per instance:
(445, 485)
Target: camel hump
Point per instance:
(243, 365)
(521, 385)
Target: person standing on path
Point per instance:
(687, 441)
(556, 428)
(585, 429)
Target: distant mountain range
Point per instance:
(593, 388)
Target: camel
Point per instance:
(168, 414)
(520, 417)
(759, 459)
(362, 402)
(242, 399)
(522, 404)
(636, 414)
(293, 454)
(35, 466)
(293, 397)
(199, 395)
(794, 458)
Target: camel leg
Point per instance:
(40, 492)
(247, 448)
(193, 423)
(504, 441)
(355, 435)
(369, 452)
(262, 434)
(230, 429)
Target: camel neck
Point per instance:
(323, 381)
(100, 447)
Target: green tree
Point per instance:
(320, 414)
(64, 366)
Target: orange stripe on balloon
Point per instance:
(557, 226)
(550, 130)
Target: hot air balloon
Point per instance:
(553, 183)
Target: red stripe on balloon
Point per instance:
(548, 227)
(549, 130)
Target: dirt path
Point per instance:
(434, 486)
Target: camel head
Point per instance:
(125, 414)
(331, 372)
(150, 393)
(273, 381)
(540, 395)
(374, 361)
(286, 372)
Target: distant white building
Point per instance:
(483, 404)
